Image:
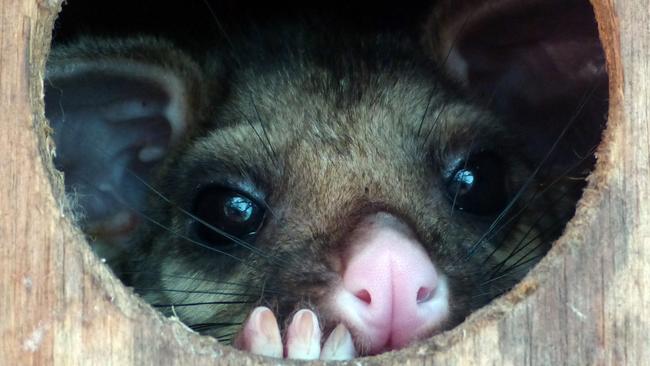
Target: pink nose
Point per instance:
(391, 292)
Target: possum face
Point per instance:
(359, 195)
(299, 169)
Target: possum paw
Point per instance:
(261, 336)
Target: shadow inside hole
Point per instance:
(537, 117)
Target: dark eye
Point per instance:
(478, 185)
(228, 210)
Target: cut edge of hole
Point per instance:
(495, 311)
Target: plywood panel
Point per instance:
(586, 303)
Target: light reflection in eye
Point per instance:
(465, 177)
(239, 208)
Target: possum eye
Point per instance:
(229, 211)
(478, 185)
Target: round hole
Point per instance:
(518, 289)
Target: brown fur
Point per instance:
(323, 143)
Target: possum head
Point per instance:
(345, 174)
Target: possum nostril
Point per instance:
(364, 296)
(424, 294)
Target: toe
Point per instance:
(339, 345)
(303, 336)
(261, 335)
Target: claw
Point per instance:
(303, 336)
(261, 335)
(339, 345)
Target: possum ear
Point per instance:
(117, 107)
(534, 61)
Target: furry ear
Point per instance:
(537, 62)
(117, 107)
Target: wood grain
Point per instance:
(586, 303)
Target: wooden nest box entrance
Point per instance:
(587, 302)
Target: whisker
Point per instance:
(182, 236)
(164, 227)
(519, 261)
(159, 194)
(269, 150)
(514, 269)
(497, 269)
(149, 187)
(455, 39)
(530, 179)
(532, 225)
(264, 290)
(493, 292)
(426, 110)
(197, 292)
(197, 243)
(202, 304)
(453, 204)
(222, 30)
(435, 121)
(234, 239)
(203, 326)
(441, 66)
(536, 195)
(177, 234)
(274, 155)
(227, 338)
(519, 247)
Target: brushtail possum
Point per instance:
(306, 191)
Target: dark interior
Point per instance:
(198, 22)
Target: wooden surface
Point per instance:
(587, 303)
